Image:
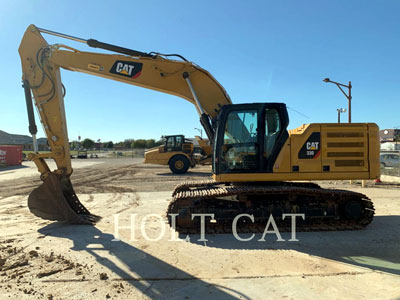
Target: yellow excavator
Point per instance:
(179, 153)
(257, 162)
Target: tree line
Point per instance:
(126, 144)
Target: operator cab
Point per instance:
(249, 137)
(177, 143)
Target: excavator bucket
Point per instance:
(56, 200)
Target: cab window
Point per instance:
(272, 129)
(178, 142)
(239, 150)
(170, 142)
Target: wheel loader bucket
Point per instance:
(56, 200)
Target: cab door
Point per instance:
(170, 144)
(274, 134)
(250, 137)
(239, 141)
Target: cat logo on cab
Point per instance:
(127, 68)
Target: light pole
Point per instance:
(348, 96)
(396, 136)
(201, 132)
(339, 111)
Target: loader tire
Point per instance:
(179, 164)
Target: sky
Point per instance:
(260, 51)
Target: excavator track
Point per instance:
(324, 209)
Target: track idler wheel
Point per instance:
(56, 200)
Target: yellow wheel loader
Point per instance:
(179, 153)
(259, 166)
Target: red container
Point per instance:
(10, 155)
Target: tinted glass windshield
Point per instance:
(239, 150)
(171, 142)
(241, 127)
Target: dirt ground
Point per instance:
(46, 260)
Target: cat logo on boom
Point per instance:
(127, 68)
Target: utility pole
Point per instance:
(396, 136)
(339, 111)
(201, 132)
(348, 96)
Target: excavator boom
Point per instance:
(41, 65)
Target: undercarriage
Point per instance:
(324, 209)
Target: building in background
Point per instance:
(390, 139)
(389, 135)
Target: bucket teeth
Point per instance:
(56, 200)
